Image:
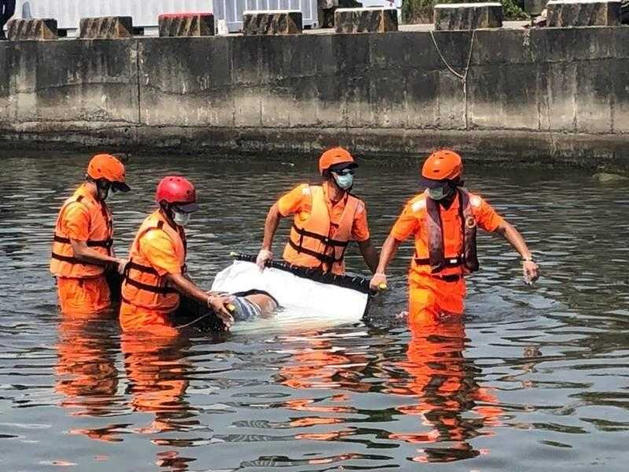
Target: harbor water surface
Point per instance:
(537, 379)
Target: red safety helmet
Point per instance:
(441, 165)
(178, 191)
(335, 156)
(106, 166)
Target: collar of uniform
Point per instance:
(327, 198)
(453, 206)
(84, 192)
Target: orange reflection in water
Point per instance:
(451, 404)
(85, 372)
(319, 365)
(157, 371)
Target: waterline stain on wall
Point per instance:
(557, 93)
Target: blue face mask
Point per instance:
(443, 191)
(344, 180)
(438, 193)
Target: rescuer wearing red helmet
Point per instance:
(443, 219)
(156, 272)
(82, 248)
(326, 218)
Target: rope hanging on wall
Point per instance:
(461, 76)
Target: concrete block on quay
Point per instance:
(567, 13)
(106, 27)
(186, 25)
(534, 7)
(269, 23)
(365, 20)
(34, 29)
(468, 16)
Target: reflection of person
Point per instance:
(443, 220)
(156, 275)
(86, 373)
(445, 386)
(158, 377)
(7, 9)
(82, 249)
(326, 218)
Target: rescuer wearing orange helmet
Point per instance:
(326, 218)
(156, 273)
(443, 220)
(82, 249)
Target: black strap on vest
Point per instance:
(141, 268)
(324, 239)
(105, 243)
(324, 258)
(70, 259)
(150, 288)
(450, 261)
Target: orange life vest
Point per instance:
(142, 285)
(62, 262)
(441, 255)
(310, 243)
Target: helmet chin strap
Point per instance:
(167, 210)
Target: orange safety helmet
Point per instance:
(106, 166)
(177, 191)
(442, 165)
(335, 156)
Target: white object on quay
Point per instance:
(144, 13)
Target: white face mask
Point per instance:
(345, 181)
(181, 218)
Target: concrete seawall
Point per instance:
(527, 94)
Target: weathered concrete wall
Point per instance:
(559, 93)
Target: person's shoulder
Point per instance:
(361, 206)
(476, 201)
(417, 203)
(156, 236)
(74, 207)
(301, 189)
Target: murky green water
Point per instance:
(538, 379)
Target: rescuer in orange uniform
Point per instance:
(82, 247)
(326, 218)
(156, 275)
(444, 220)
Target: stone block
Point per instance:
(365, 20)
(272, 22)
(186, 25)
(534, 7)
(106, 27)
(567, 13)
(468, 16)
(34, 29)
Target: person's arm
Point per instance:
(513, 236)
(216, 302)
(369, 253)
(270, 227)
(86, 254)
(389, 249)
